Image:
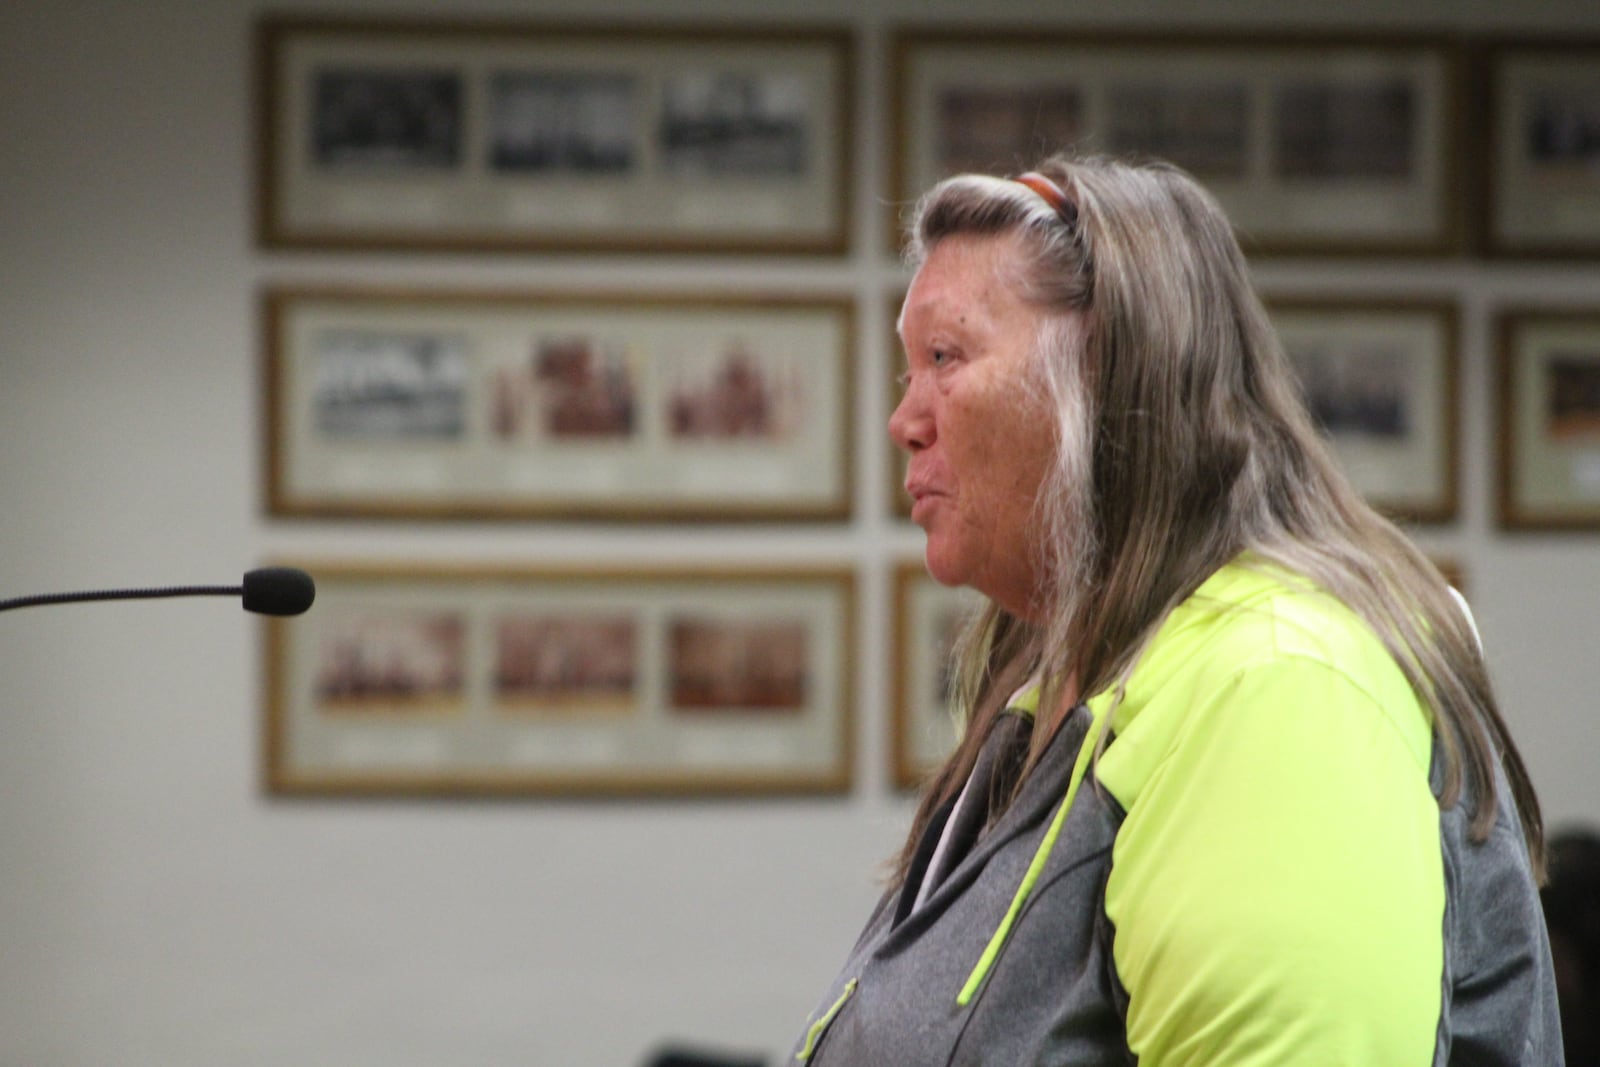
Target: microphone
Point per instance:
(266, 591)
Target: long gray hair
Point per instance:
(1183, 442)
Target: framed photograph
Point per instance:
(1380, 379)
(482, 136)
(928, 619)
(1314, 145)
(468, 680)
(394, 403)
(1543, 196)
(1549, 419)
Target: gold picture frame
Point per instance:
(1549, 418)
(1381, 379)
(482, 136)
(1332, 144)
(438, 680)
(1542, 160)
(402, 403)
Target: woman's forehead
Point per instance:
(964, 276)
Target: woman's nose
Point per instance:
(910, 425)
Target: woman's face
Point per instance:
(974, 420)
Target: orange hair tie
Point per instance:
(1050, 193)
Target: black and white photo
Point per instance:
(374, 384)
(382, 119)
(563, 122)
(726, 123)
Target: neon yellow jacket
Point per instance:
(1255, 872)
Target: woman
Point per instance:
(1233, 788)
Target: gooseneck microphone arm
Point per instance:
(266, 591)
(120, 594)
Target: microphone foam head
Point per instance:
(278, 591)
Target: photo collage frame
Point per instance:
(424, 680)
(432, 135)
(421, 404)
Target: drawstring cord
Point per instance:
(1041, 856)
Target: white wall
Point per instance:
(157, 908)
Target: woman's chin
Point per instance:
(942, 566)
